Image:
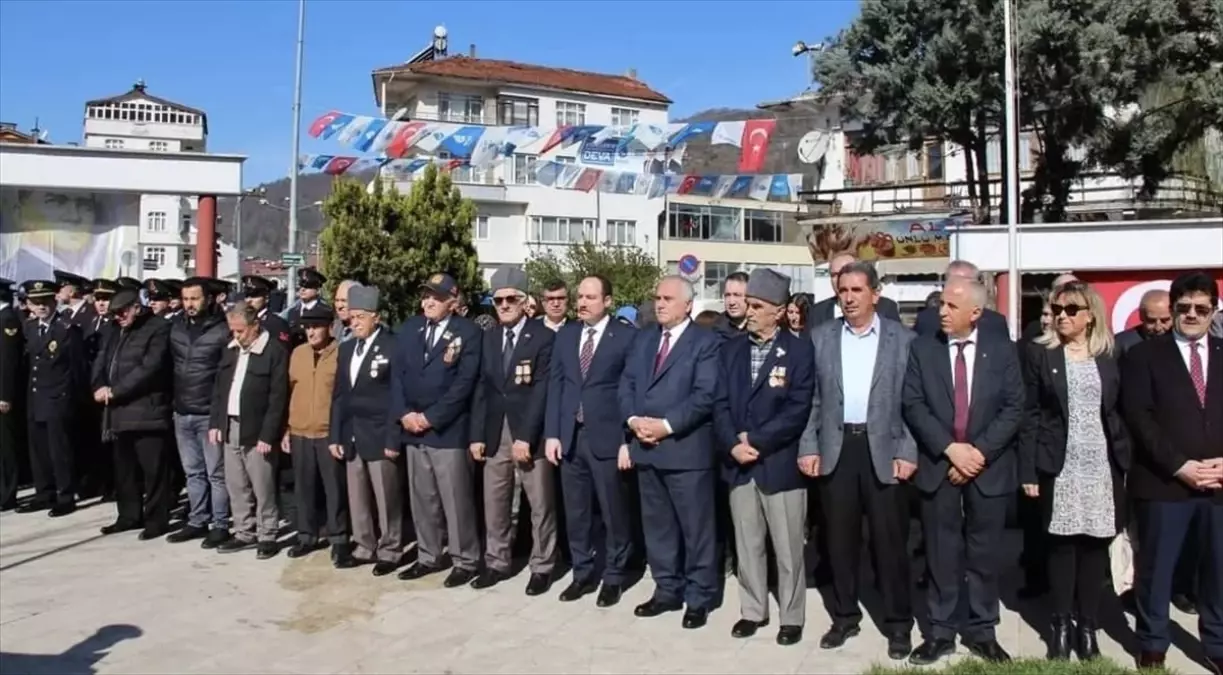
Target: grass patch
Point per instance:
(972, 666)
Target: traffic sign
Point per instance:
(292, 259)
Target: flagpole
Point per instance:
(291, 282)
(1009, 173)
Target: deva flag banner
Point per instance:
(614, 154)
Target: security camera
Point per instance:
(800, 48)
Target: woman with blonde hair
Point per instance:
(1074, 453)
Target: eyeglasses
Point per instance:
(510, 300)
(1186, 307)
(1070, 310)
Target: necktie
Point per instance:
(961, 393)
(507, 352)
(588, 352)
(42, 329)
(1196, 373)
(97, 324)
(360, 348)
(429, 336)
(663, 351)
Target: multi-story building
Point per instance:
(518, 218)
(166, 233)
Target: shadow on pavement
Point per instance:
(77, 660)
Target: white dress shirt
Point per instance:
(1182, 343)
(235, 387)
(675, 333)
(970, 357)
(599, 328)
(437, 332)
(517, 328)
(354, 366)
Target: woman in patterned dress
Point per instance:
(1073, 457)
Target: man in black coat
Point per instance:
(57, 376)
(95, 456)
(132, 379)
(927, 323)
(1155, 312)
(12, 356)
(507, 424)
(828, 309)
(256, 291)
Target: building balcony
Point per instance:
(480, 187)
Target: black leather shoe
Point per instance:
(120, 526)
(61, 510)
(1059, 638)
(341, 558)
(383, 568)
(487, 579)
(156, 532)
(609, 595)
(459, 577)
(419, 571)
(1086, 646)
(234, 544)
(745, 628)
(1180, 601)
(266, 549)
(988, 650)
(837, 636)
(34, 507)
(188, 533)
(10, 505)
(695, 618)
(931, 651)
(899, 647)
(789, 635)
(576, 590)
(302, 549)
(538, 584)
(651, 608)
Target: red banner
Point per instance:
(755, 142)
(1122, 292)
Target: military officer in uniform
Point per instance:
(71, 298)
(12, 354)
(309, 285)
(56, 354)
(129, 283)
(158, 293)
(95, 331)
(255, 290)
(92, 454)
(176, 297)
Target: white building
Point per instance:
(165, 242)
(516, 216)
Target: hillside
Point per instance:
(265, 231)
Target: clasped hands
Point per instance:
(415, 423)
(102, 395)
(967, 462)
(649, 430)
(1204, 474)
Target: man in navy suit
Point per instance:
(587, 439)
(667, 393)
(764, 401)
(434, 371)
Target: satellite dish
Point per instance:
(813, 146)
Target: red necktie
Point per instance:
(1195, 371)
(663, 351)
(584, 359)
(961, 393)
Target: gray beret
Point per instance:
(363, 298)
(508, 276)
(772, 287)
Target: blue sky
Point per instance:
(234, 58)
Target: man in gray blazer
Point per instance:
(858, 446)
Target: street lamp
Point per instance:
(812, 52)
(291, 288)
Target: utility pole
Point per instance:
(291, 285)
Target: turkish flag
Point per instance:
(323, 122)
(686, 186)
(403, 139)
(756, 135)
(338, 165)
(1122, 292)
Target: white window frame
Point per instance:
(113, 144)
(566, 231)
(570, 114)
(621, 232)
(479, 228)
(155, 221)
(187, 221)
(624, 117)
(159, 146)
(524, 169)
(461, 108)
(186, 256)
(513, 105)
(156, 254)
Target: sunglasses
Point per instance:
(1070, 310)
(510, 300)
(1187, 307)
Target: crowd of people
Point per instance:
(704, 443)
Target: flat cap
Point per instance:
(256, 286)
(39, 289)
(157, 289)
(440, 283)
(317, 315)
(509, 276)
(175, 286)
(64, 278)
(128, 282)
(308, 277)
(104, 288)
(126, 297)
(768, 285)
(363, 298)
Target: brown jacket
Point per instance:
(310, 385)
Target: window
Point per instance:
(186, 221)
(518, 112)
(623, 117)
(570, 114)
(155, 255)
(993, 154)
(187, 258)
(621, 232)
(560, 159)
(113, 144)
(762, 226)
(716, 223)
(553, 230)
(159, 146)
(714, 277)
(479, 228)
(464, 173)
(460, 108)
(155, 221)
(524, 169)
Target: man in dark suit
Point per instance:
(667, 394)
(963, 402)
(57, 381)
(1172, 392)
(591, 448)
(1155, 312)
(828, 308)
(255, 291)
(858, 445)
(507, 421)
(12, 357)
(309, 286)
(929, 322)
(435, 367)
(764, 400)
(363, 434)
(95, 456)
